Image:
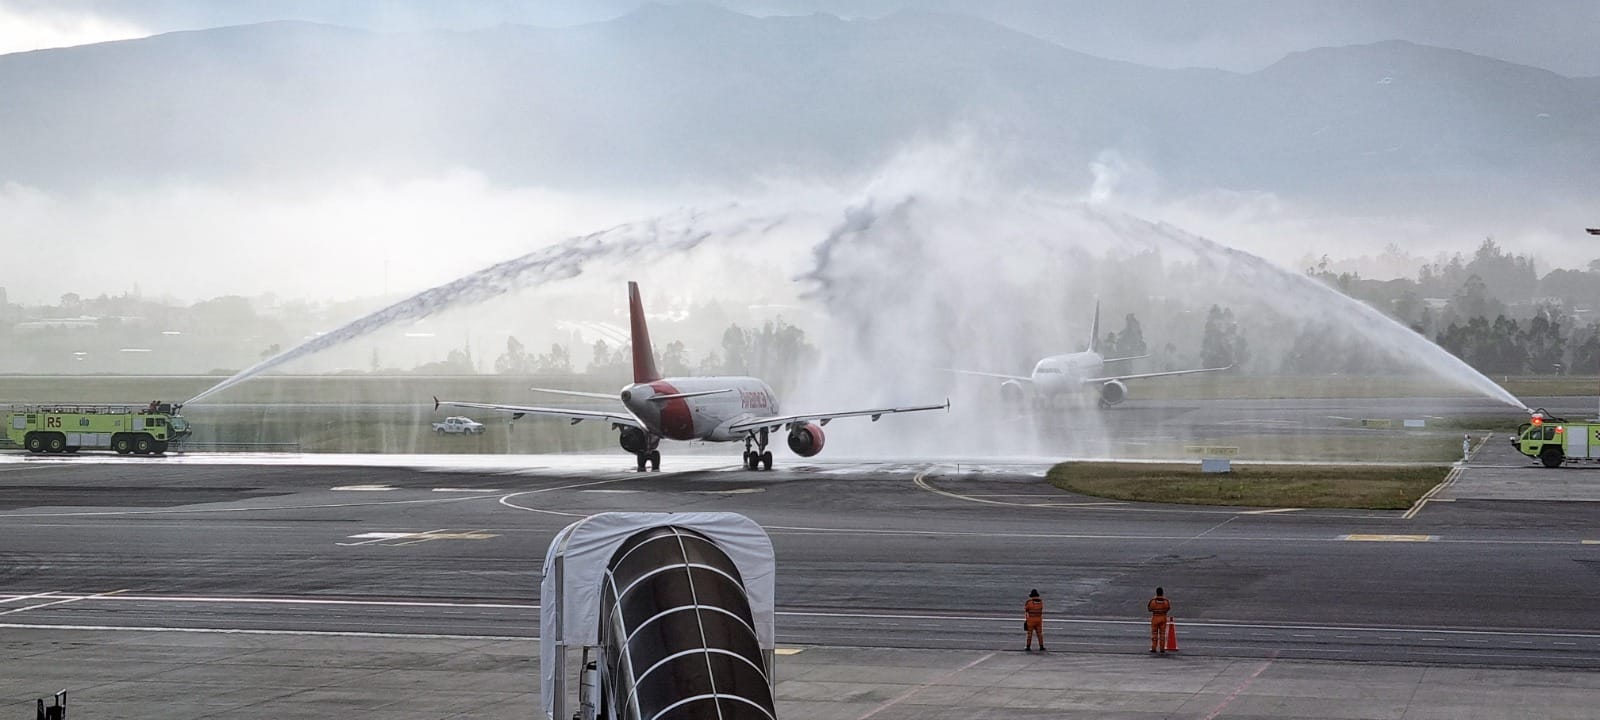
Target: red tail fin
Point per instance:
(644, 355)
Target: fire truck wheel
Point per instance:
(55, 443)
(121, 444)
(142, 445)
(34, 442)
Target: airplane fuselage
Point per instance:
(705, 417)
(1064, 374)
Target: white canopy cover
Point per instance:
(585, 549)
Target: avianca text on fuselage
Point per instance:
(710, 409)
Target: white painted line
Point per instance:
(740, 491)
(468, 490)
(62, 602)
(611, 492)
(362, 488)
(381, 535)
(266, 508)
(26, 597)
(506, 501)
(240, 631)
(1374, 537)
(1271, 511)
(124, 597)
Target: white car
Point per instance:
(458, 425)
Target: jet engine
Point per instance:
(1112, 393)
(1012, 393)
(637, 441)
(806, 440)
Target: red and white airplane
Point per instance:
(708, 409)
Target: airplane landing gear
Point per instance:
(652, 458)
(761, 458)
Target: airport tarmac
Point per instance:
(122, 566)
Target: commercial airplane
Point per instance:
(1075, 373)
(709, 409)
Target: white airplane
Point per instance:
(1075, 373)
(709, 409)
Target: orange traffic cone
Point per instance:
(1172, 636)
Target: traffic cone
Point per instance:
(1172, 636)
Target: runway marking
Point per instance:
(432, 535)
(1271, 511)
(372, 537)
(1368, 537)
(268, 508)
(291, 601)
(1241, 688)
(921, 482)
(362, 488)
(1590, 542)
(25, 597)
(506, 500)
(467, 490)
(740, 491)
(1449, 478)
(243, 631)
(804, 530)
(413, 538)
(781, 652)
(923, 686)
(611, 491)
(62, 602)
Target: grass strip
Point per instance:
(1364, 487)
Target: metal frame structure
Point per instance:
(672, 612)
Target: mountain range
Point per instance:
(694, 94)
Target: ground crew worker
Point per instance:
(1033, 619)
(1159, 607)
(1466, 447)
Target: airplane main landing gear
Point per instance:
(761, 458)
(653, 458)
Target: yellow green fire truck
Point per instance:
(142, 430)
(1553, 440)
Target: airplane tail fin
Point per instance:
(644, 355)
(1094, 329)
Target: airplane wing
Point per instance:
(998, 376)
(576, 416)
(578, 393)
(1130, 357)
(781, 421)
(1091, 381)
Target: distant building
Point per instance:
(74, 323)
(1436, 303)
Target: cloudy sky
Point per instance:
(1239, 35)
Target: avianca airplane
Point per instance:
(1075, 373)
(713, 409)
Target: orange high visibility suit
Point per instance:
(1159, 607)
(1033, 624)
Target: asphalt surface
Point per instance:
(892, 555)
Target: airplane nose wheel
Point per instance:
(754, 460)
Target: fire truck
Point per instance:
(1553, 440)
(141, 430)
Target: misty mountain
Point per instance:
(696, 94)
